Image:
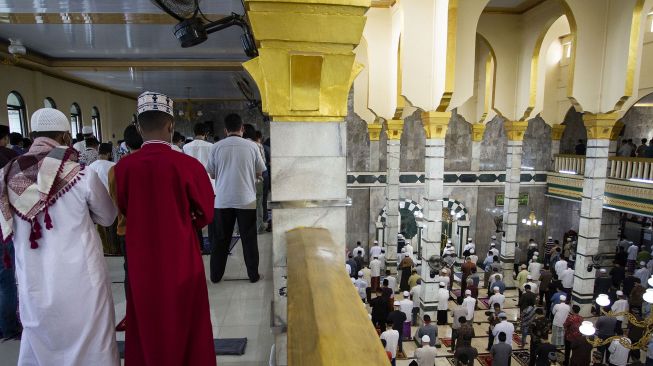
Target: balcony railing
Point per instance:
(626, 168)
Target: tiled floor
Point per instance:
(238, 308)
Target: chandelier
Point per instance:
(588, 329)
(532, 220)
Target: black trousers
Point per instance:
(534, 344)
(224, 221)
(567, 352)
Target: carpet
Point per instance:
(517, 339)
(223, 347)
(452, 360)
(523, 356)
(485, 301)
(446, 342)
(485, 359)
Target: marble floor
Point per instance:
(238, 307)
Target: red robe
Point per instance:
(165, 196)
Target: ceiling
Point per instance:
(127, 33)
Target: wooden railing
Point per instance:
(618, 168)
(326, 317)
(571, 164)
(629, 168)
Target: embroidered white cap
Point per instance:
(152, 101)
(406, 294)
(87, 130)
(563, 297)
(49, 119)
(426, 339)
(442, 284)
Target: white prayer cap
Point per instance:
(502, 315)
(448, 241)
(536, 253)
(400, 235)
(468, 292)
(360, 273)
(620, 293)
(563, 297)
(49, 120)
(442, 284)
(469, 240)
(523, 266)
(493, 237)
(426, 339)
(445, 271)
(529, 277)
(642, 263)
(396, 303)
(496, 289)
(492, 245)
(403, 250)
(152, 101)
(406, 294)
(550, 238)
(87, 130)
(603, 270)
(376, 242)
(569, 239)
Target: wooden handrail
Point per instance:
(326, 317)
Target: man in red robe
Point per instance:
(165, 197)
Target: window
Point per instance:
(95, 123)
(75, 120)
(16, 113)
(49, 103)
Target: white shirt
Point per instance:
(235, 163)
(200, 150)
(560, 266)
(392, 283)
(469, 246)
(102, 167)
(406, 307)
(80, 145)
(620, 306)
(632, 252)
(382, 260)
(375, 251)
(534, 269)
(444, 279)
(506, 327)
(534, 287)
(409, 250)
(375, 268)
(347, 268)
(359, 250)
(497, 299)
(443, 299)
(474, 258)
(560, 312)
(643, 274)
(176, 148)
(425, 355)
(361, 285)
(494, 251)
(618, 353)
(567, 278)
(391, 338)
(470, 304)
(367, 275)
(414, 293)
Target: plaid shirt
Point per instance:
(571, 326)
(539, 328)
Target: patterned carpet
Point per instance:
(446, 342)
(485, 359)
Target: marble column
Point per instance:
(435, 125)
(556, 136)
(394, 130)
(515, 131)
(478, 130)
(374, 131)
(599, 128)
(614, 138)
(609, 237)
(304, 82)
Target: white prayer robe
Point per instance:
(443, 299)
(66, 305)
(506, 327)
(200, 150)
(535, 269)
(469, 303)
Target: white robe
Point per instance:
(66, 305)
(469, 303)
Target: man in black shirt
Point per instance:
(543, 353)
(618, 274)
(380, 308)
(397, 318)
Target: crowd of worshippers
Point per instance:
(62, 201)
(629, 149)
(544, 283)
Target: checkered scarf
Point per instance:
(33, 182)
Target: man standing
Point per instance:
(427, 329)
(165, 197)
(539, 331)
(443, 304)
(505, 327)
(467, 269)
(501, 352)
(620, 306)
(572, 324)
(380, 309)
(90, 153)
(470, 304)
(426, 354)
(397, 318)
(375, 272)
(236, 164)
(50, 206)
(87, 132)
(9, 324)
(391, 337)
(458, 314)
(375, 250)
(497, 298)
(199, 148)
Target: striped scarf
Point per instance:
(33, 182)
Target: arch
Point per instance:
(75, 119)
(16, 113)
(49, 103)
(455, 207)
(490, 80)
(96, 123)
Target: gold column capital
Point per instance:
(515, 130)
(394, 129)
(306, 64)
(556, 132)
(616, 130)
(435, 124)
(374, 130)
(478, 130)
(601, 126)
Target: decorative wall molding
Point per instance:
(483, 178)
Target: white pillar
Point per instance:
(394, 130)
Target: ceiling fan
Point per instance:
(192, 29)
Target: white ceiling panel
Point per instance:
(109, 6)
(121, 40)
(204, 84)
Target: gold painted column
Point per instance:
(435, 125)
(394, 129)
(515, 131)
(478, 130)
(374, 132)
(599, 127)
(304, 73)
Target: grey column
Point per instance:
(392, 203)
(374, 156)
(510, 210)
